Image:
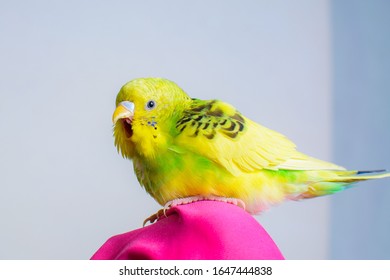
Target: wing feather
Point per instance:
(216, 130)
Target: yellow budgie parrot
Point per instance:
(185, 149)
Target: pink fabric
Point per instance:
(203, 230)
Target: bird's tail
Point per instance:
(338, 180)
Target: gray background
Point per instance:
(360, 224)
(285, 64)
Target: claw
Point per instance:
(154, 217)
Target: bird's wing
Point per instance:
(216, 130)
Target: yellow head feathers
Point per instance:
(143, 105)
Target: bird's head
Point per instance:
(145, 114)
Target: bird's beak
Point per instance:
(124, 110)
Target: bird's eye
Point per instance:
(150, 105)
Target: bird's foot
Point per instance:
(231, 200)
(191, 199)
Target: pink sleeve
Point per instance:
(203, 230)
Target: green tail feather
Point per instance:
(345, 176)
(341, 180)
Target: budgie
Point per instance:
(185, 149)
